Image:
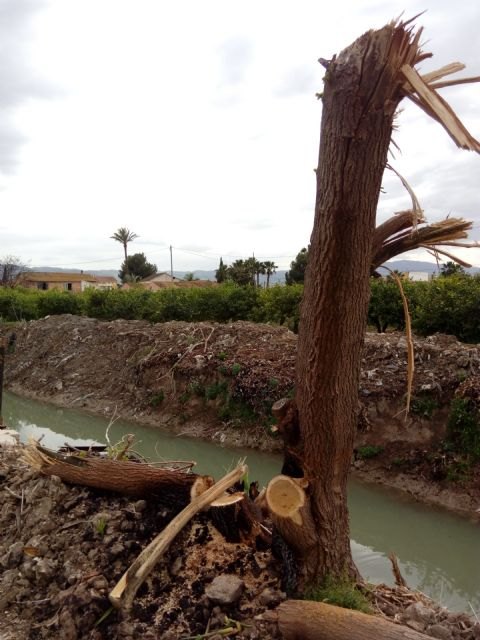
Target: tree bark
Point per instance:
(305, 620)
(363, 87)
(173, 488)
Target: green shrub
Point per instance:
(369, 451)
(157, 398)
(424, 405)
(463, 428)
(56, 302)
(216, 389)
(280, 305)
(18, 304)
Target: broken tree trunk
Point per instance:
(129, 478)
(363, 87)
(306, 620)
(238, 519)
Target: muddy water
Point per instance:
(439, 553)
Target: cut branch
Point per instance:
(129, 478)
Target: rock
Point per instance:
(176, 566)
(9, 438)
(271, 597)
(225, 589)
(439, 631)
(418, 612)
(415, 625)
(67, 626)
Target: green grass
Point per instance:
(340, 592)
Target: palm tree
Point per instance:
(124, 236)
(270, 268)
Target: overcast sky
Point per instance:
(195, 124)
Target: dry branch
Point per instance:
(410, 352)
(435, 106)
(123, 594)
(399, 234)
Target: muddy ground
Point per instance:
(218, 382)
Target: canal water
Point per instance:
(438, 552)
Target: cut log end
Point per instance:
(285, 497)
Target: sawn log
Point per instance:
(129, 478)
(307, 620)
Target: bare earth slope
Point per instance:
(219, 381)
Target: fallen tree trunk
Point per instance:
(306, 620)
(129, 478)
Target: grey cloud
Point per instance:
(18, 80)
(235, 56)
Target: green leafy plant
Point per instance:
(463, 428)
(236, 368)
(157, 398)
(100, 526)
(213, 391)
(197, 388)
(424, 405)
(368, 451)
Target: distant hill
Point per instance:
(418, 265)
(276, 278)
(94, 272)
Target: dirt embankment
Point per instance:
(219, 381)
(63, 549)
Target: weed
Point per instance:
(222, 355)
(341, 592)
(157, 399)
(236, 410)
(184, 397)
(216, 389)
(101, 526)
(424, 406)
(273, 383)
(236, 368)
(458, 471)
(368, 451)
(463, 428)
(197, 388)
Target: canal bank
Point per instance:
(218, 382)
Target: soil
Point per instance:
(63, 548)
(218, 381)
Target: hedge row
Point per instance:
(222, 304)
(447, 305)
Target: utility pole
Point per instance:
(2, 366)
(171, 262)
